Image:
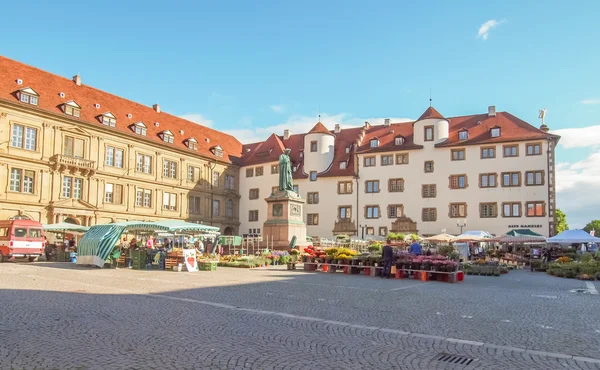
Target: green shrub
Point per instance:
(586, 257)
(445, 250)
(570, 274)
(374, 248)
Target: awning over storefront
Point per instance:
(182, 226)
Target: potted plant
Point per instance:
(294, 253)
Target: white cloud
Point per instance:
(278, 108)
(485, 28)
(577, 190)
(301, 124)
(579, 137)
(197, 118)
(590, 101)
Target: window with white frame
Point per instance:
(463, 135)
(114, 157)
(495, 132)
(29, 96)
(73, 147)
(113, 193)
(192, 144)
(143, 198)
(140, 128)
(72, 109)
(169, 169)
(399, 140)
(342, 165)
(169, 201)
(143, 163)
(168, 137)
(72, 187)
(22, 181)
(108, 119)
(24, 137)
(215, 179)
(374, 143)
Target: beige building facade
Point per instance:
(56, 165)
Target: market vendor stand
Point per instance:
(62, 228)
(97, 244)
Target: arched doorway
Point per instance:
(228, 231)
(71, 220)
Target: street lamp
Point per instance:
(461, 224)
(362, 231)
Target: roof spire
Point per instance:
(430, 96)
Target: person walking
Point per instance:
(387, 253)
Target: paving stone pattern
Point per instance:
(60, 316)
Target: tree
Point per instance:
(592, 225)
(561, 221)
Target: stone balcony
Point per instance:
(62, 163)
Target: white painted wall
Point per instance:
(414, 176)
(321, 159)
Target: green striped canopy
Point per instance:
(96, 245)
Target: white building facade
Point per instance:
(491, 172)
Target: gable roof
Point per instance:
(386, 136)
(264, 152)
(430, 112)
(319, 129)
(49, 86)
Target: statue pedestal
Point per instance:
(284, 220)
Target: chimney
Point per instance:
(77, 79)
(386, 122)
(337, 129)
(367, 125)
(156, 107)
(492, 111)
(286, 134)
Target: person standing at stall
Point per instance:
(387, 253)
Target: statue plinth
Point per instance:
(284, 220)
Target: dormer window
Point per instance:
(167, 136)
(72, 109)
(139, 128)
(463, 135)
(217, 151)
(342, 165)
(192, 143)
(348, 149)
(29, 96)
(495, 132)
(108, 119)
(399, 140)
(374, 143)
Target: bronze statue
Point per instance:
(285, 171)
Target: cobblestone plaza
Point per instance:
(60, 316)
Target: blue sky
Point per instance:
(251, 68)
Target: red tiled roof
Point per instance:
(49, 86)
(386, 136)
(319, 128)
(264, 152)
(430, 113)
(479, 126)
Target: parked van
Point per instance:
(21, 239)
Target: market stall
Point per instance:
(60, 250)
(99, 242)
